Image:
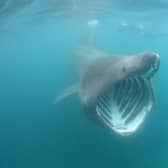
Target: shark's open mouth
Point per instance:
(124, 107)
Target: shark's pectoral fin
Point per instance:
(66, 93)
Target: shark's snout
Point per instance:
(150, 63)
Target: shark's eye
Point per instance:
(124, 69)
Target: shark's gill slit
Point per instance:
(104, 107)
(137, 102)
(132, 98)
(135, 98)
(124, 90)
(126, 98)
(141, 101)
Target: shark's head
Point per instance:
(144, 64)
(118, 93)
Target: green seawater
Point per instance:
(36, 64)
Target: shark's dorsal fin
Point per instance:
(86, 51)
(66, 93)
(90, 38)
(92, 24)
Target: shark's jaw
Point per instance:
(123, 107)
(118, 93)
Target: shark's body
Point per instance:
(115, 91)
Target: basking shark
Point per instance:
(115, 91)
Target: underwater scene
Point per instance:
(83, 84)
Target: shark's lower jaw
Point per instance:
(124, 107)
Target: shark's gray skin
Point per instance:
(115, 91)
